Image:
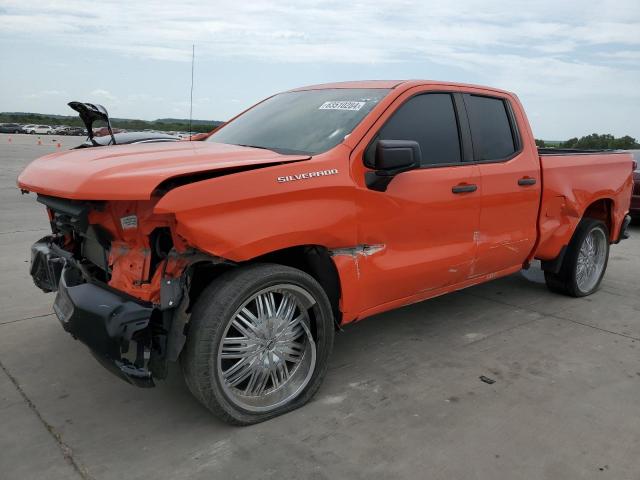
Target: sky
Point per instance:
(574, 64)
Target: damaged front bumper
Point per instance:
(104, 320)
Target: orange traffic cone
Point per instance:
(58, 145)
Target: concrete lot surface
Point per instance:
(402, 398)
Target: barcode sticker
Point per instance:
(129, 222)
(342, 105)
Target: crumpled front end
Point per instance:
(119, 273)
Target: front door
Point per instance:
(422, 229)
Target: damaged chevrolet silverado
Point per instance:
(240, 256)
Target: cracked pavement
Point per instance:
(402, 398)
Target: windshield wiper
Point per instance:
(281, 151)
(256, 146)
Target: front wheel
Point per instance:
(258, 343)
(585, 261)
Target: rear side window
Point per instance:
(491, 130)
(430, 120)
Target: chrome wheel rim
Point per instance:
(267, 354)
(591, 260)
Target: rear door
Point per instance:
(424, 223)
(510, 184)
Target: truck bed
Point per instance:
(573, 151)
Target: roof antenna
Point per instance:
(193, 56)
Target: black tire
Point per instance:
(565, 281)
(212, 313)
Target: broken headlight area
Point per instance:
(119, 281)
(120, 243)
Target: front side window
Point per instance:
(307, 121)
(430, 120)
(490, 127)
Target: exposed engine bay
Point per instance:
(121, 276)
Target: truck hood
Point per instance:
(132, 172)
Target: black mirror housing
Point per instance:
(392, 158)
(397, 154)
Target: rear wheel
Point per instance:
(258, 343)
(585, 261)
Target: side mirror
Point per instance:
(392, 158)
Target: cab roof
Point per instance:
(354, 84)
(390, 84)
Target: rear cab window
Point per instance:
(493, 131)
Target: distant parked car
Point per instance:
(76, 131)
(71, 131)
(39, 129)
(10, 128)
(59, 129)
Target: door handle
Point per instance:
(464, 188)
(524, 181)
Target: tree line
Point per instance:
(595, 141)
(198, 126)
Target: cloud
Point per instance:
(556, 50)
(103, 94)
(325, 31)
(46, 93)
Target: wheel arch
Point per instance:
(555, 239)
(315, 260)
(603, 210)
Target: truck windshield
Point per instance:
(307, 121)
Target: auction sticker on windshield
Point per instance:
(342, 105)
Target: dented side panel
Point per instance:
(348, 272)
(429, 235)
(571, 184)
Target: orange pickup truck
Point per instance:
(240, 256)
